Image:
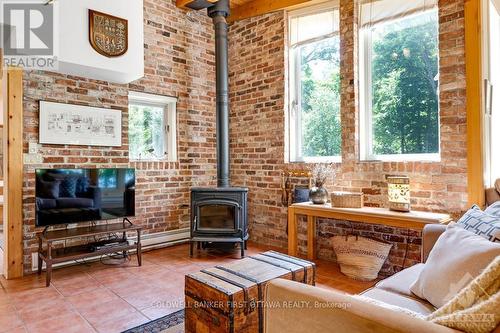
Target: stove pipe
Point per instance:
(218, 12)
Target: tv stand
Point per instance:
(52, 255)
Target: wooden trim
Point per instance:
(475, 169)
(13, 175)
(383, 216)
(260, 7)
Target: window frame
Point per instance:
(169, 106)
(365, 47)
(294, 147)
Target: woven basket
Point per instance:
(347, 200)
(360, 258)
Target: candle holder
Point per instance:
(399, 193)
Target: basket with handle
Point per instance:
(360, 258)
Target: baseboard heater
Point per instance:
(149, 242)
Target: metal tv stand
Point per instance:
(51, 255)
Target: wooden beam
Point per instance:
(13, 175)
(474, 107)
(260, 7)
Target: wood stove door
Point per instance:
(217, 216)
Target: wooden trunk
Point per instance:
(228, 298)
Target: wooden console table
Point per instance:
(383, 216)
(53, 256)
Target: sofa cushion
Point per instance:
(416, 305)
(400, 282)
(482, 223)
(48, 189)
(75, 203)
(456, 259)
(46, 203)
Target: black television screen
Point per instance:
(79, 195)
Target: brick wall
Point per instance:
(258, 125)
(179, 61)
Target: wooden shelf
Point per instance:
(53, 255)
(411, 220)
(374, 215)
(64, 234)
(82, 251)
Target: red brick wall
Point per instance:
(179, 61)
(258, 110)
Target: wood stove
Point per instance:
(219, 214)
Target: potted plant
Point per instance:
(320, 173)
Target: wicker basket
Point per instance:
(360, 258)
(347, 200)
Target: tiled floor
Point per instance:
(96, 297)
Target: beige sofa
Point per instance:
(291, 306)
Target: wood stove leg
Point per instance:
(191, 245)
(242, 249)
(246, 245)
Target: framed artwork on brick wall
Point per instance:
(70, 124)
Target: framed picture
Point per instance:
(69, 124)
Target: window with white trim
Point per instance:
(314, 87)
(398, 61)
(152, 127)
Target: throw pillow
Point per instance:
(48, 189)
(494, 209)
(449, 270)
(68, 184)
(485, 224)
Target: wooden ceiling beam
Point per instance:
(260, 7)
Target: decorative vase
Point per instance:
(318, 195)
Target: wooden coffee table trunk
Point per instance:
(228, 298)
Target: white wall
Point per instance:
(75, 54)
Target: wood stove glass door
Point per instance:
(217, 217)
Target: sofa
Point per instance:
(492, 195)
(346, 313)
(79, 201)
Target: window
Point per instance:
(399, 80)
(314, 63)
(152, 127)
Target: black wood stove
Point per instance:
(219, 214)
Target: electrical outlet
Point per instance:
(32, 148)
(33, 158)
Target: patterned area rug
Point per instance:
(173, 323)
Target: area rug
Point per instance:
(173, 323)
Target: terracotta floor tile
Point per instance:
(19, 329)
(42, 310)
(9, 320)
(120, 324)
(67, 323)
(89, 299)
(114, 298)
(97, 314)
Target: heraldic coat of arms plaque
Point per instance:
(108, 34)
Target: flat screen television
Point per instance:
(66, 196)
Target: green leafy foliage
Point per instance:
(404, 87)
(145, 132)
(320, 82)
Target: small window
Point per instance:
(152, 127)
(314, 87)
(399, 80)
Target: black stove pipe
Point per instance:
(218, 12)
